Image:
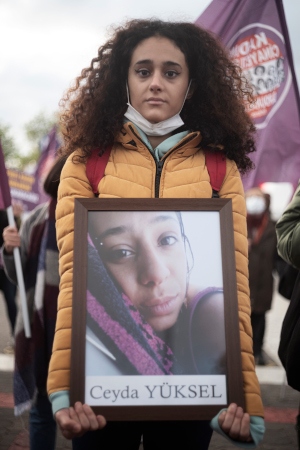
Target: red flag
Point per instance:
(256, 34)
(5, 198)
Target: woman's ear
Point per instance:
(191, 90)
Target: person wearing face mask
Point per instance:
(157, 95)
(262, 263)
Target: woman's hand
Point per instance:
(17, 209)
(74, 422)
(235, 423)
(11, 239)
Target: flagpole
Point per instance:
(6, 199)
(20, 279)
(288, 47)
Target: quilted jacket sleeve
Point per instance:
(232, 188)
(288, 232)
(74, 183)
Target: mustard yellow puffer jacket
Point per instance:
(130, 173)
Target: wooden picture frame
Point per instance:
(155, 332)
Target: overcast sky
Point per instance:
(45, 44)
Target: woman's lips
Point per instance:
(155, 101)
(160, 307)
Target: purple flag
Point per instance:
(5, 198)
(49, 147)
(27, 189)
(256, 34)
(21, 189)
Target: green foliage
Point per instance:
(26, 161)
(8, 145)
(38, 127)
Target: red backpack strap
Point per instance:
(216, 166)
(95, 167)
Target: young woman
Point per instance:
(139, 267)
(158, 93)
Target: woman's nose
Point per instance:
(153, 270)
(156, 82)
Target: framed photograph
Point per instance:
(155, 332)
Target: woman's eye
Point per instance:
(115, 256)
(168, 240)
(171, 73)
(143, 72)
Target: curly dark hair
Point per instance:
(94, 108)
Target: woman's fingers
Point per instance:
(235, 428)
(81, 416)
(86, 417)
(95, 422)
(11, 238)
(74, 422)
(101, 421)
(228, 418)
(245, 428)
(236, 423)
(222, 418)
(67, 422)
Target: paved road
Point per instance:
(280, 401)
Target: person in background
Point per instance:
(262, 263)
(157, 94)
(288, 247)
(288, 232)
(39, 256)
(8, 288)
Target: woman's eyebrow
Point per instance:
(144, 61)
(113, 232)
(150, 61)
(163, 218)
(171, 63)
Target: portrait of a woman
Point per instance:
(145, 316)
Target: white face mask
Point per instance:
(155, 129)
(255, 205)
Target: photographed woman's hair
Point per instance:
(93, 108)
(187, 244)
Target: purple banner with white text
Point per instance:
(255, 32)
(27, 189)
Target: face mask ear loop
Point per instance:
(128, 98)
(186, 94)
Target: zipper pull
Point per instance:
(159, 167)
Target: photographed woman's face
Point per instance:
(145, 254)
(158, 79)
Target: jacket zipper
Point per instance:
(159, 164)
(159, 167)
